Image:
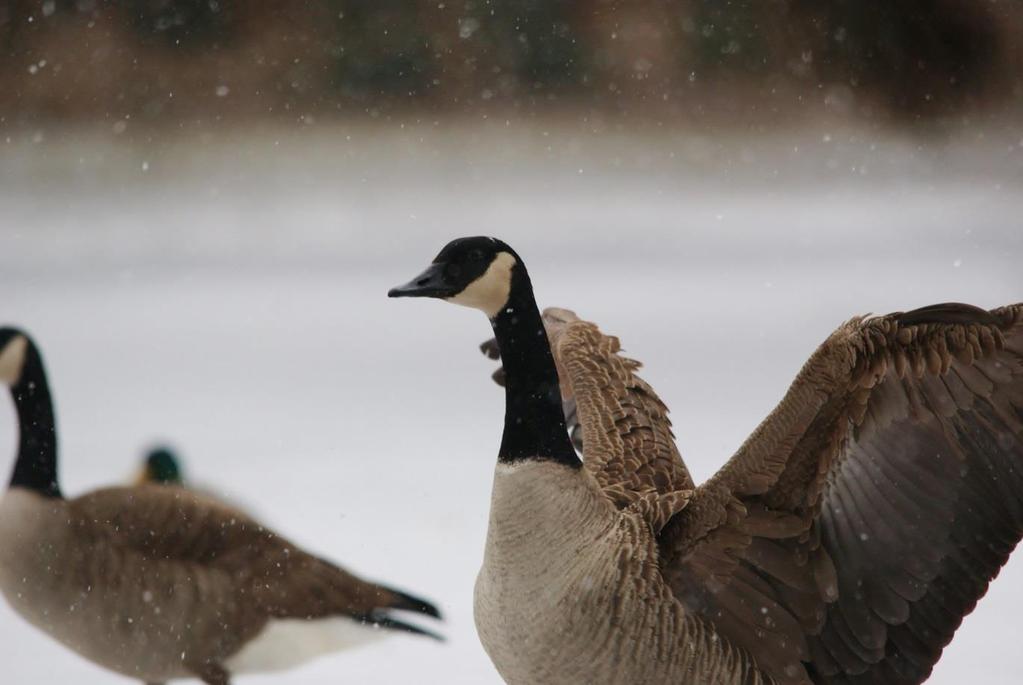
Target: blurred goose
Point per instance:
(159, 583)
(843, 543)
(161, 466)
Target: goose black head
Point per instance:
(162, 467)
(14, 347)
(473, 272)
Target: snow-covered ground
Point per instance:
(227, 295)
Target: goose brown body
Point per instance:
(571, 616)
(843, 543)
(125, 590)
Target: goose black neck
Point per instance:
(534, 421)
(36, 466)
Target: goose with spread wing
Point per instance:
(842, 544)
(159, 583)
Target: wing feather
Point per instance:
(616, 419)
(899, 451)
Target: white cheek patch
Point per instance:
(12, 359)
(489, 292)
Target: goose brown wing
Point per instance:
(617, 420)
(231, 560)
(172, 524)
(305, 586)
(866, 515)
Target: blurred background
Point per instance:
(191, 63)
(203, 203)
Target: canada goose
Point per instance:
(158, 583)
(843, 543)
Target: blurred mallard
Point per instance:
(161, 466)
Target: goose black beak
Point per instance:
(430, 283)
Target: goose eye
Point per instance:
(476, 256)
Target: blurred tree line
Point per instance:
(715, 59)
